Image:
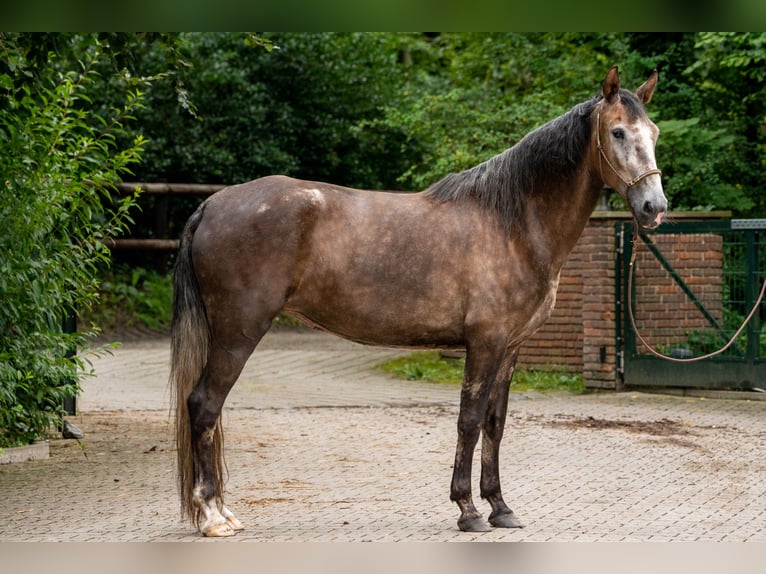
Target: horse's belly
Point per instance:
(382, 318)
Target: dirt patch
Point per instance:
(114, 435)
(257, 502)
(661, 427)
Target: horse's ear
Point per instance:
(645, 90)
(611, 87)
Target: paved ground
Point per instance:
(321, 447)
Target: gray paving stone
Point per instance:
(322, 447)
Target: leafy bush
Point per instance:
(696, 161)
(58, 160)
(133, 297)
(470, 96)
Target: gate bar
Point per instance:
(748, 223)
(685, 288)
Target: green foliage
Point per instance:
(132, 297)
(402, 110)
(548, 381)
(426, 366)
(696, 159)
(431, 366)
(293, 108)
(369, 110)
(57, 163)
(290, 109)
(471, 96)
(704, 341)
(728, 74)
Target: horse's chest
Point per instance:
(538, 311)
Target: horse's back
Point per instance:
(363, 264)
(320, 216)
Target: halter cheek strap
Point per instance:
(602, 154)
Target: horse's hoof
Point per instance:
(235, 524)
(473, 524)
(506, 520)
(218, 530)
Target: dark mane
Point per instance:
(502, 183)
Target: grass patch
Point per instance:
(547, 381)
(431, 366)
(426, 366)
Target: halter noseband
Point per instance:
(602, 154)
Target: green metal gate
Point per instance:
(694, 284)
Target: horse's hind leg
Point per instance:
(494, 424)
(205, 403)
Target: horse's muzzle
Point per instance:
(649, 212)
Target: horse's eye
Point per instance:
(618, 133)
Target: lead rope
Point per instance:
(654, 351)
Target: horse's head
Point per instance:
(625, 139)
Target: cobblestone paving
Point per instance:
(322, 447)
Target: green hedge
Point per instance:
(58, 159)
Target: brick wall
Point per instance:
(580, 334)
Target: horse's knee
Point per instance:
(494, 427)
(469, 426)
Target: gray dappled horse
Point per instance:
(473, 261)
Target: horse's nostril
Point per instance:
(648, 207)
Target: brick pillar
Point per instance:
(598, 328)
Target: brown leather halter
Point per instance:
(602, 154)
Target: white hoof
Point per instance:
(231, 520)
(218, 530)
(235, 524)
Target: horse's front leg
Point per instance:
(484, 362)
(494, 424)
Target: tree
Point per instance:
(471, 96)
(399, 111)
(709, 135)
(292, 109)
(729, 70)
(296, 108)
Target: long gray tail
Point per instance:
(190, 343)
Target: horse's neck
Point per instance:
(556, 219)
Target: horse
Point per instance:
(471, 262)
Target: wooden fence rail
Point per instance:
(143, 244)
(171, 188)
(163, 191)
